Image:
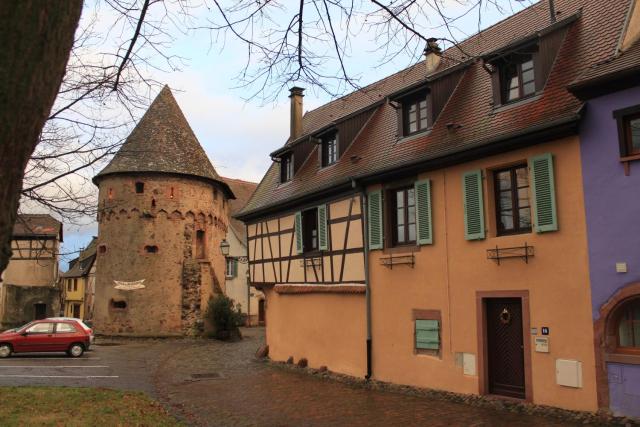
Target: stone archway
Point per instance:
(605, 339)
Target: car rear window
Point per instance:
(65, 328)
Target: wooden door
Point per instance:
(505, 347)
(40, 311)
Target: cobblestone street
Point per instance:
(220, 384)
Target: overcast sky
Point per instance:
(237, 135)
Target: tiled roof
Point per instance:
(243, 191)
(82, 265)
(31, 225)
(162, 142)
(614, 65)
(589, 40)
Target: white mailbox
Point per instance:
(542, 344)
(569, 373)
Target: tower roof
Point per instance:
(163, 142)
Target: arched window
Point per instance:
(628, 327)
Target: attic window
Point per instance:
(414, 113)
(151, 249)
(286, 168)
(518, 78)
(139, 187)
(329, 149)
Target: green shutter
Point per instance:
(235, 267)
(298, 232)
(427, 334)
(543, 190)
(423, 213)
(374, 215)
(322, 228)
(473, 205)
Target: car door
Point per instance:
(39, 337)
(65, 334)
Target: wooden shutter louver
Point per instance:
(374, 216)
(322, 228)
(473, 205)
(423, 214)
(298, 232)
(427, 334)
(235, 267)
(544, 196)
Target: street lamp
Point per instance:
(224, 247)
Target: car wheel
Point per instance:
(76, 350)
(5, 350)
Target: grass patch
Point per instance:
(71, 406)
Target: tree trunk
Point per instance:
(37, 36)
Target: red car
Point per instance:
(46, 335)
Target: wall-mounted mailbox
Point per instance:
(542, 344)
(569, 373)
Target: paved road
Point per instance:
(220, 384)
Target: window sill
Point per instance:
(413, 136)
(309, 289)
(517, 103)
(433, 354)
(626, 160)
(628, 358)
(404, 249)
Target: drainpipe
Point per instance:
(365, 233)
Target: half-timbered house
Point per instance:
(429, 229)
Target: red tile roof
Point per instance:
(590, 39)
(37, 225)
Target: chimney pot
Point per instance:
(432, 54)
(297, 93)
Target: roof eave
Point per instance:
(612, 82)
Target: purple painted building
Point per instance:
(610, 149)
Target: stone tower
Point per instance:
(163, 211)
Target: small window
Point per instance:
(628, 327)
(215, 194)
(110, 193)
(65, 328)
(69, 285)
(102, 249)
(75, 284)
(513, 211)
(518, 77)
(118, 305)
(427, 336)
(310, 230)
(153, 203)
(171, 193)
(200, 247)
(231, 267)
(415, 114)
(151, 249)
(628, 130)
(286, 168)
(329, 149)
(403, 216)
(139, 187)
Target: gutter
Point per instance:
(531, 136)
(365, 239)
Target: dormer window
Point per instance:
(286, 168)
(415, 114)
(518, 78)
(329, 149)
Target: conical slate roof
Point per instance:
(163, 142)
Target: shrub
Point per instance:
(224, 317)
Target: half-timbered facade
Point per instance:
(439, 246)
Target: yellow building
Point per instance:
(78, 284)
(429, 229)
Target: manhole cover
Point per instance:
(207, 375)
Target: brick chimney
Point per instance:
(296, 111)
(432, 54)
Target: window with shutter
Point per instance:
(374, 217)
(323, 244)
(544, 196)
(423, 217)
(473, 203)
(298, 232)
(427, 335)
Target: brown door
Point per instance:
(505, 347)
(261, 312)
(40, 311)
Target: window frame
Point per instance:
(409, 101)
(286, 168)
(393, 215)
(329, 157)
(309, 223)
(624, 308)
(505, 82)
(139, 187)
(624, 117)
(515, 200)
(229, 262)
